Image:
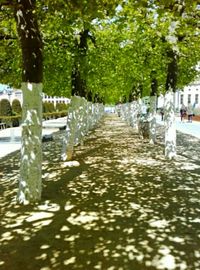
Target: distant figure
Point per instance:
(118, 109)
(190, 112)
(144, 109)
(162, 114)
(182, 112)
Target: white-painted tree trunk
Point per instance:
(78, 119)
(30, 182)
(68, 142)
(129, 113)
(138, 113)
(170, 127)
(82, 117)
(152, 120)
(89, 116)
(135, 113)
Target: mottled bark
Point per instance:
(170, 127)
(134, 114)
(170, 88)
(68, 143)
(152, 109)
(82, 117)
(30, 186)
(152, 119)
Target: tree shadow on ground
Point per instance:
(118, 205)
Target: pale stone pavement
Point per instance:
(10, 138)
(119, 205)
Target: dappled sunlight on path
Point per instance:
(118, 205)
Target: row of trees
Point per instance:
(102, 50)
(137, 44)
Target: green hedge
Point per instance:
(16, 107)
(48, 107)
(15, 120)
(5, 107)
(61, 107)
(11, 115)
(11, 121)
(51, 115)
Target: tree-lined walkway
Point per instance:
(118, 205)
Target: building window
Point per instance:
(196, 98)
(189, 98)
(181, 100)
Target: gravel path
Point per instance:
(119, 205)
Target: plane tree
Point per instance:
(153, 43)
(23, 18)
(173, 27)
(180, 17)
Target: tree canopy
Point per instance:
(128, 44)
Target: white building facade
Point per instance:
(190, 94)
(17, 94)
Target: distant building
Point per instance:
(190, 94)
(12, 94)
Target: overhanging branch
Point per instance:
(7, 37)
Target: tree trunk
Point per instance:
(78, 84)
(71, 127)
(170, 86)
(152, 118)
(79, 70)
(153, 105)
(134, 114)
(170, 128)
(30, 186)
